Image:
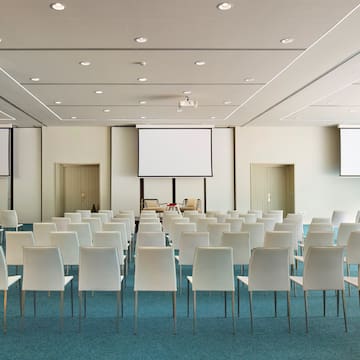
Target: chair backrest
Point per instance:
(338, 216)
(320, 227)
(202, 224)
(83, 232)
(95, 224)
(269, 270)
(151, 203)
(221, 217)
(298, 220)
(353, 248)
(128, 226)
(177, 229)
(280, 239)
(323, 268)
(110, 239)
(249, 218)
(156, 239)
(240, 243)
(344, 231)
(42, 233)
(75, 217)
(121, 228)
(4, 284)
(320, 220)
(168, 218)
(109, 213)
(269, 223)
(15, 242)
(189, 241)
(216, 231)
(155, 269)
(61, 222)
(99, 269)
(149, 227)
(257, 233)
(68, 243)
(357, 216)
(233, 213)
(147, 219)
(84, 213)
(194, 218)
(318, 238)
(289, 226)
(102, 216)
(187, 213)
(43, 269)
(235, 223)
(278, 214)
(126, 216)
(258, 213)
(8, 218)
(213, 269)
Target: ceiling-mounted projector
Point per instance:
(187, 102)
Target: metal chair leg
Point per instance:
(34, 299)
(80, 309)
(188, 296)
(324, 303)
(344, 310)
(288, 310)
(306, 311)
(5, 307)
(61, 310)
(225, 305)
(238, 297)
(22, 308)
(174, 310)
(251, 312)
(135, 311)
(233, 311)
(275, 303)
(194, 312)
(118, 301)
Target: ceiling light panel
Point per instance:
(58, 6)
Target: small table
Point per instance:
(173, 207)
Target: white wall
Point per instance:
(315, 153)
(74, 145)
(27, 174)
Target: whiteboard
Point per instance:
(4, 152)
(175, 152)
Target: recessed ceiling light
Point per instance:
(224, 6)
(187, 92)
(0, 40)
(200, 63)
(227, 102)
(85, 63)
(99, 92)
(57, 6)
(57, 102)
(106, 110)
(35, 79)
(249, 79)
(141, 39)
(142, 117)
(142, 102)
(212, 117)
(287, 40)
(179, 109)
(142, 79)
(74, 117)
(141, 63)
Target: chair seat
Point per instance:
(243, 279)
(297, 279)
(67, 279)
(13, 279)
(352, 280)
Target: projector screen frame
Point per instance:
(210, 128)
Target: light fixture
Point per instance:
(74, 117)
(35, 79)
(142, 79)
(106, 110)
(141, 63)
(227, 102)
(85, 63)
(0, 40)
(142, 117)
(223, 6)
(212, 117)
(187, 103)
(98, 92)
(287, 40)
(199, 62)
(142, 102)
(187, 92)
(57, 6)
(57, 102)
(249, 79)
(141, 39)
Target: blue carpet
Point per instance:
(41, 337)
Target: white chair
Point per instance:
(344, 231)
(278, 214)
(177, 230)
(61, 222)
(216, 232)
(320, 220)
(95, 224)
(83, 232)
(257, 212)
(149, 227)
(188, 213)
(84, 213)
(268, 271)
(221, 217)
(44, 271)
(167, 219)
(282, 240)
(338, 216)
(99, 270)
(68, 243)
(42, 233)
(102, 216)
(15, 242)
(208, 277)
(292, 227)
(240, 243)
(257, 233)
(121, 228)
(313, 227)
(269, 223)
(353, 253)
(154, 271)
(189, 241)
(323, 270)
(75, 217)
(9, 220)
(235, 223)
(298, 220)
(202, 224)
(109, 213)
(249, 218)
(5, 282)
(357, 216)
(233, 213)
(196, 217)
(151, 239)
(147, 219)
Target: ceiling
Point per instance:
(250, 78)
